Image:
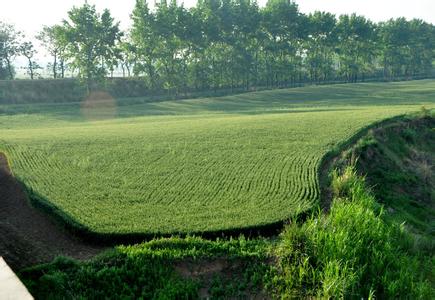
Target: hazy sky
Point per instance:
(30, 15)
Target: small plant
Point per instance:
(424, 112)
(409, 134)
(343, 184)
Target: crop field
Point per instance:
(132, 166)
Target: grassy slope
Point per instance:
(192, 165)
(355, 251)
(398, 162)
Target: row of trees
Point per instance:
(12, 44)
(231, 44)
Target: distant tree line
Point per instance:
(227, 44)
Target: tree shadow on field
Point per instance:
(313, 98)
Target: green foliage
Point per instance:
(9, 49)
(342, 185)
(399, 59)
(51, 39)
(88, 40)
(356, 46)
(115, 276)
(146, 271)
(27, 49)
(398, 163)
(351, 252)
(237, 44)
(425, 112)
(192, 165)
(194, 247)
(232, 44)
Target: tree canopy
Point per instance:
(231, 44)
(88, 40)
(9, 49)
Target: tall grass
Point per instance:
(352, 252)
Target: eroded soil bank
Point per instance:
(397, 160)
(28, 236)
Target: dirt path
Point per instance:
(28, 236)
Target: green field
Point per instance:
(192, 165)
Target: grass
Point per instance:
(398, 161)
(126, 166)
(153, 270)
(355, 251)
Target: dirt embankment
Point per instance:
(398, 163)
(28, 236)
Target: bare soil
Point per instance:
(27, 235)
(207, 269)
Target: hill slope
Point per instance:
(398, 162)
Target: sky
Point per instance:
(30, 15)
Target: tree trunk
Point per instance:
(123, 69)
(30, 68)
(62, 68)
(55, 66)
(11, 73)
(128, 69)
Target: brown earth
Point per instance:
(27, 235)
(208, 269)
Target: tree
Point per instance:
(51, 39)
(395, 38)
(210, 59)
(356, 45)
(422, 46)
(235, 44)
(243, 40)
(28, 51)
(320, 45)
(169, 22)
(127, 56)
(282, 22)
(407, 47)
(145, 42)
(9, 47)
(89, 41)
